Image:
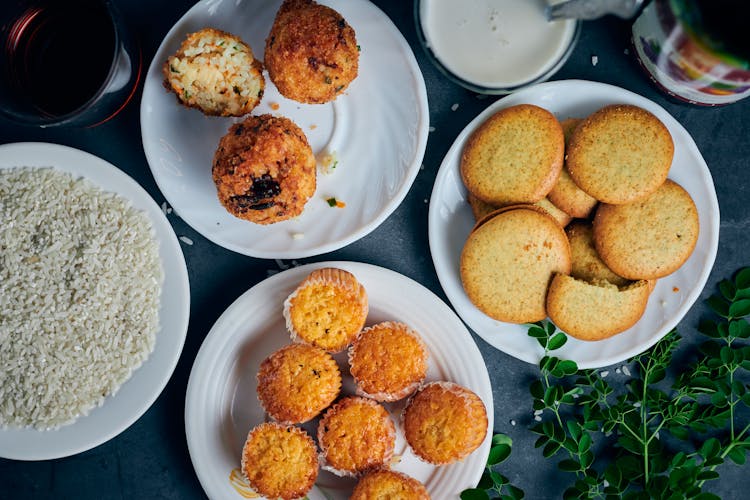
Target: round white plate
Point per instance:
(222, 406)
(450, 221)
(137, 394)
(377, 130)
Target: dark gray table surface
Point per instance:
(151, 460)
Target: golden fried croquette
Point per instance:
(297, 382)
(311, 52)
(264, 169)
(389, 484)
(442, 409)
(215, 72)
(280, 461)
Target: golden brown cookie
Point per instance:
(328, 309)
(311, 52)
(444, 422)
(586, 263)
(264, 169)
(481, 209)
(515, 156)
(216, 72)
(389, 485)
(620, 153)
(565, 194)
(595, 311)
(388, 361)
(649, 238)
(356, 435)
(280, 461)
(297, 382)
(508, 261)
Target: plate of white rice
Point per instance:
(88, 338)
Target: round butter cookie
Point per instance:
(388, 361)
(387, 484)
(481, 209)
(620, 153)
(508, 261)
(297, 382)
(649, 238)
(586, 263)
(356, 435)
(311, 52)
(327, 310)
(280, 461)
(565, 194)
(513, 157)
(264, 169)
(595, 310)
(444, 422)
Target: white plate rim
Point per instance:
(411, 171)
(42, 444)
(456, 294)
(219, 342)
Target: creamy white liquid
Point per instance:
(495, 43)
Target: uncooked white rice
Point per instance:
(80, 283)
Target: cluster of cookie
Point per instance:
(356, 435)
(605, 179)
(264, 168)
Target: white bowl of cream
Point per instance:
(494, 46)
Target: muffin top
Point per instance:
(297, 382)
(444, 422)
(356, 435)
(328, 309)
(389, 484)
(388, 361)
(280, 461)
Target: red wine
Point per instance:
(60, 54)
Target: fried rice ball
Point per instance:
(215, 72)
(311, 52)
(264, 169)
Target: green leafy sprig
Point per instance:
(643, 431)
(493, 484)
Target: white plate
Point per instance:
(378, 129)
(450, 221)
(222, 406)
(137, 394)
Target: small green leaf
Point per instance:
(550, 449)
(498, 480)
(537, 389)
(727, 289)
(568, 367)
(498, 453)
(742, 278)
(710, 448)
(502, 439)
(551, 328)
(737, 455)
(740, 309)
(739, 328)
(584, 444)
(474, 494)
(707, 475)
(536, 332)
(557, 341)
(708, 328)
(718, 305)
(515, 492)
(485, 482)
(569, 465)
(574, 429)
(630, 444)
(587, 459)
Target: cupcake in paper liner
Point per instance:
(327, 310)
(444, 422)
(386, 483)
(297, 382)
(388, 361)
(280, 461)
(356, 435)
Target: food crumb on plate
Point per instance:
(594, 60)
(454, 107)
(298, 236)
(327, 161)
(186, 240)
(274, 106)
(334, 203)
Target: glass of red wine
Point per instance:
(65, 62)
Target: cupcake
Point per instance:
(327, 310)
(388, 361)
(297, 382)
(280, 461)
(215, 72)
(381, 484)
(444, 422)
(356, 435)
